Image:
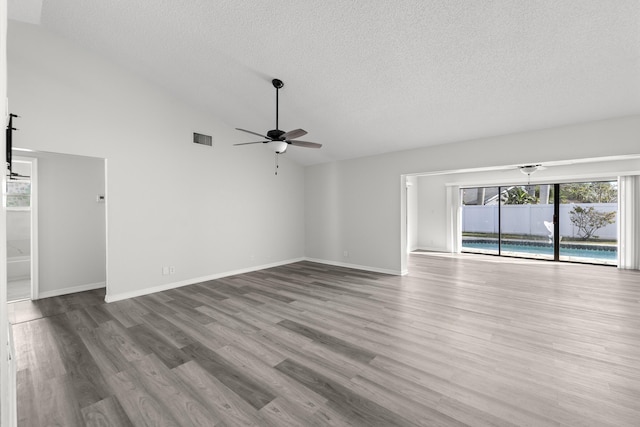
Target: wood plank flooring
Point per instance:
(461, 340)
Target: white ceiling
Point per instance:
(368, 77)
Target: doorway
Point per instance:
(22, 230)
(67, 245)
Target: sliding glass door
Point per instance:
(588, 230)
(524, 220)
(480, 220)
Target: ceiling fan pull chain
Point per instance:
(276, 154)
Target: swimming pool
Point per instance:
(573, 252)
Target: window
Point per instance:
(524, 220)
(18, 194)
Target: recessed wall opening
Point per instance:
(590, 204)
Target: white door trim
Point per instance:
(34, 222)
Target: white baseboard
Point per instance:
(358, 267)
(430, 249)
(173, 285)
(71, 290)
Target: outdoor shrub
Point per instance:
(589, 220)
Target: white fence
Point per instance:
(529, 219)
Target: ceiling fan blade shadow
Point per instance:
(293, 134)
(253, 133)
(306, 144)
(255, 142)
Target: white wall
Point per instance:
(370, 217)
(354, 207)
(206, 211)
(432, 213)
(71, 224)
(412, 212)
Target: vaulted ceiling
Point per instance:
(369, 77)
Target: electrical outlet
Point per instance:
(172, 270)
(165, 271)
(345, 254)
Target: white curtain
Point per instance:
(629, 222)
(454, 218)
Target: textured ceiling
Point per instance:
(368, 77)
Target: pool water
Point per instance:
(588, 252)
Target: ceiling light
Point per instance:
(529, 169)
(279, 146)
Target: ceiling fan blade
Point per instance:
(306, 144)
(253, 133)
(256, 142)
(293, 134)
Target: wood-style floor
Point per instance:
(461, 340)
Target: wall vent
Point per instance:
(199, 138)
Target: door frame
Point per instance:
(33, 223)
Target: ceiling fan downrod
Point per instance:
(278, 84)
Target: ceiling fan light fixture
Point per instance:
(528, 169)
(279, 146)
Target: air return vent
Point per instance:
(199, 138)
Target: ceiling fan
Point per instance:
(281, 139)
(529, 169)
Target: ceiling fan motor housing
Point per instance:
(276, 134)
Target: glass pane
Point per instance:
(526, 220)
(18, 194)
(480, 220)
(588, 222)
